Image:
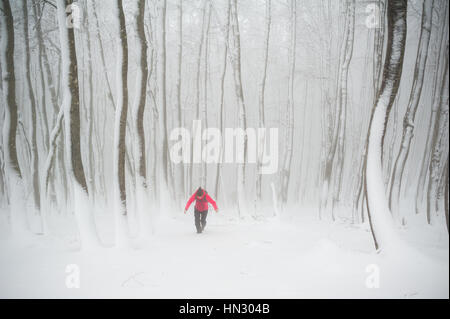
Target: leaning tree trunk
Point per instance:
(413, 104)
(13, 174)
(439, 141)
(71, 109)
(438, 73)
(378, 209)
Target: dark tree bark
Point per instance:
(377, 204)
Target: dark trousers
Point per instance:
(200, 220)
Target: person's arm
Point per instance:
(189, 202)
(211, 201)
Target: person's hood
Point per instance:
(203, 195)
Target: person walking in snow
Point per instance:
(202, 199)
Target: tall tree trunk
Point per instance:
(235, 51)
(32, 100)
(378, 209)
(182, 187)
(193, 177)
(120, 129)
(205, 90)
(13, 173)
(438, 74)
(141, 88)
(262, 90)
(90, 109)
(439, 142)
(286, 168)
(343, 100)
(163, 98)
(413, 104)
(221, 117)
(71, 108)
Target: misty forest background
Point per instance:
(90, 95)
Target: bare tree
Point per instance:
(413, 104)
(262, 89)
(71, 109)
(378, 209)
(287, 158)
(141, 81)
(32, 100)
(439, 72)
(13, 173)
(439, 145)
(235, 52)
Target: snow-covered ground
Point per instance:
(291, 258)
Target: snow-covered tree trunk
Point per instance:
(179, 64)
(120, 194)
(261, 102)
(439, 142)
(165, 160)
(90, 109)
(413, 104)
(335, 118)
(287, 157)
(446, 194)
(383, 230)
(71, 106)
(13, 175)
(235, 51)
(205, 89)
(139, 108)
(194, 178)
(439, 74)
(221, 117)
(34, 148)
(343, 100)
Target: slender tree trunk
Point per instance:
(121, 111)
(438, 74)
(221, 117)
(286, 168)
(90, 109)
(413, 104)
(343, 100)
(179, 58)
(13, 173)
(32, 100)
(237, 72)
(262, 89)
(439, 141)
(141, 82)
(205, 90)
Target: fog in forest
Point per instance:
(319, 128)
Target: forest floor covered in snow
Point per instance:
(287, 258)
